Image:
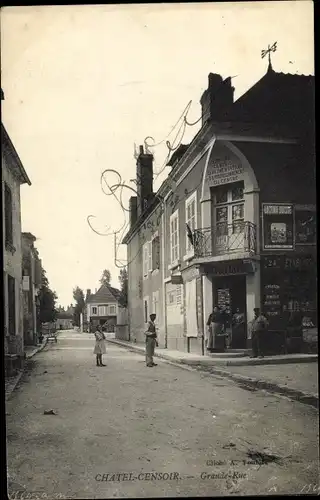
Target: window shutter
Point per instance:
(149, 255)
(145, 259)
(156, 253)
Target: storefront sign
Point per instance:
(299, 263)
(176, 279)
(288, 285)
(277, 226)
(305, 224)
(232, 268)
(282, 262)
(223, 172)
(271, 300)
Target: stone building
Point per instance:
(13, 176)
(102, 307)
(31, 284)
(234, 222)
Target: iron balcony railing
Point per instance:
(225, 238)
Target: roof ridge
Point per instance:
(293, 74)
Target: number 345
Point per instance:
(310, 488)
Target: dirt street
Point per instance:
(126, 430)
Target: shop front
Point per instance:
(229, 293)
(288, 293)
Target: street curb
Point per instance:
(300, 396)
(18, 378)
(40, 348)
(16, 382)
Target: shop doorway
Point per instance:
(229, 293)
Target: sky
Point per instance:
(83, 84)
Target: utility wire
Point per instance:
(121, 185)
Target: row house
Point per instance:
(13, 176)
(234, 222)
(31, 285)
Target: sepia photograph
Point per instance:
(159, 211)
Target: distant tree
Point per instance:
(123, 280)
(47, 301)
(78, 296)
(106, 277)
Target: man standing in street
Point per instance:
(259, 328)
(151, 341)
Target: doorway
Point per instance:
(229, 293)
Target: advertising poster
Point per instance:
(305, 224)
(278, 226)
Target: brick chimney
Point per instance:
(217, 98)
(88, 293)
(133, 210)
(144, 180)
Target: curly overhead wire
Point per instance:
(185, 111)
(94, 230)
(121, 185)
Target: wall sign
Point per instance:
(305, 224)
(223, 172)
(224, 299)
(292, 262)
(278, 225)
(176, 279)
(271, 301)
(234, 268)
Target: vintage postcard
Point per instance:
(159, 242)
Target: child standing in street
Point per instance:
(99, 348)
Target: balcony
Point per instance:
(237, 237)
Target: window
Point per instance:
(174, 237)
(102, 311)
(8, 215)
(155, 252)
(112, 310)
(191, 218)
(11, 305)
(145, 259)
(229, 209)
(94, 310)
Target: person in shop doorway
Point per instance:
(259, 327)
(216, 336)
(151, 341)
(99, 348)
(238, 330)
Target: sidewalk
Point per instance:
(293, 375)
(12, 382)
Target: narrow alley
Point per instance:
(128, 431)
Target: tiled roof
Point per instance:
(105, 295)
(276, 97)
